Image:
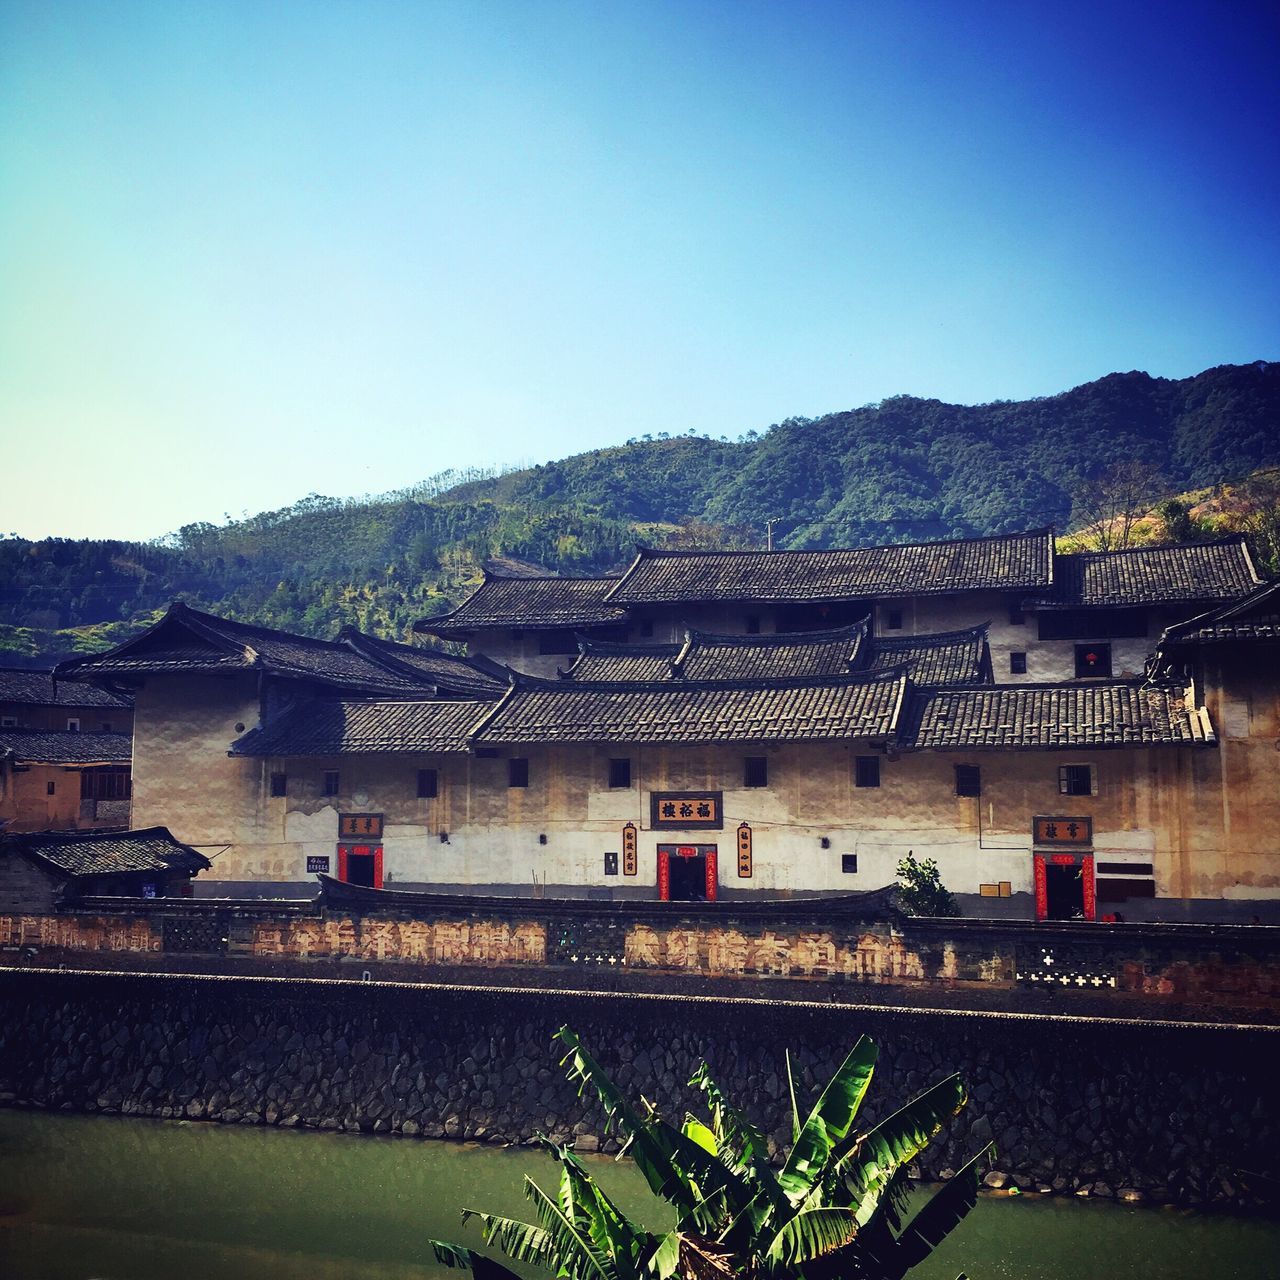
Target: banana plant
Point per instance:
(833, 1211)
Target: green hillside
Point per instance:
(900, 470)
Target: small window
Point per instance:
(329, 783)
(49, 788)
(893, 620)
(8, 722)
(1018, 664)
(849, 864)
(646, 628)
(279, 784)
(611, 863)
(866, 771)
(73, 726)
(968, 780)
(1075, 780)
(619, 774)
(1016, 617)
(755, 771)
(753, 624)
(518, 772)
(1093, 660)
(106, 726)
(428, 784)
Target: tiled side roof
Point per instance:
(1150, 575)
(602, 660)
(529, 603)
(349, 727)
(59, 746)
(1070, 716)
(451, 676)
(186, 640)
(569, 711)
(40, 689)
(809, 655)
(952, 657)
(96, 854)
(1020, 561)
(1255, 617)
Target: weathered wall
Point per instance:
(1157, 806)
(25, 802)
(30, 715)
(1131, 970)
(1170, 1111)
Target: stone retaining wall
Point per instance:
(1177, 1111)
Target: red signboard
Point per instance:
(664, 877)
(713, 880)
(1042, 889)
(1090, 891)
(1069, 830)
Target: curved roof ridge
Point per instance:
(776, 639)
(976, 632)
(522, 680)
(674, 553)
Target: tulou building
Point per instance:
(1068, 736)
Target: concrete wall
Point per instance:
(1169, 1111)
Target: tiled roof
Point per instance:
(1150, 575)
(452, 676)
(92, 853)
(805, 655)
(1070, 716)
(186, 640)
(61, 746)
(347, 727)
(40, 689)
(949, 657)
(571, 711)
(1254, 617)
(1019, 561)
(529, 603)
(609, 661)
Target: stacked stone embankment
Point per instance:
(1165, 1111)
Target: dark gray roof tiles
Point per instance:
(605, 660)
(40, 689)
(1019, 561)
(1255, 617)
(325, 727)
(186, 640)
(1048, 716)
(1201, 571)
(61, 746)
(946, 658)
(452, 676)
(809, 655)
(92, 853)
(572, 711)
(531, 603)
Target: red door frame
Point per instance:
(1088, 885)
(363, 850)
(712, 870)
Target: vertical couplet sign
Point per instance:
(1042, 888)
(744, 852)
(1090, 889)
(713, 879)
(629, 860)
(664, 877)
(347, 851)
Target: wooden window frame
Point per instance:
(428, 784)
(866, 772)
(279, 785)
(755, 772)
(517, 773)
(620, 773)
(968, 780)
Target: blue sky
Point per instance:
(253, 251)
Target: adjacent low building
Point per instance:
(713, 725)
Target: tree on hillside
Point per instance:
(1111, 501)
(1259, 504)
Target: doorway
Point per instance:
(1064, 887)
(687, 873)
(360, 864)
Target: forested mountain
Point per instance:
(900, 470)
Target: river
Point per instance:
(109, 1198)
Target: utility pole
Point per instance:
(768, 533)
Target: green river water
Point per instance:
(120, 1199)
